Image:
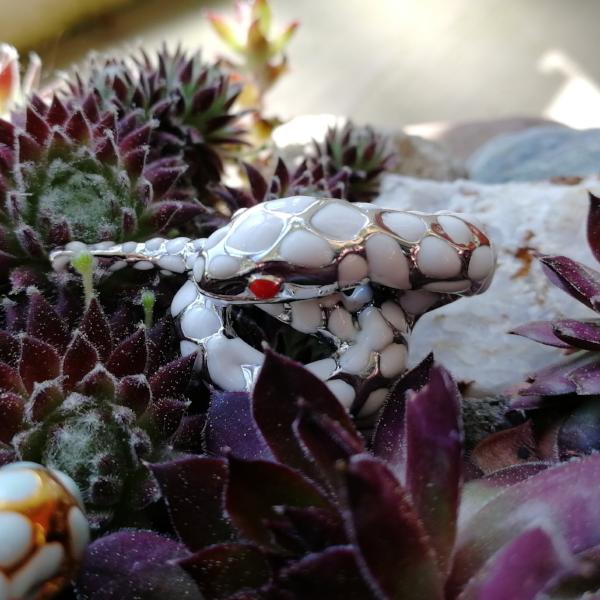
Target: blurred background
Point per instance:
(387, 62)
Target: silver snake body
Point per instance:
(355, 276)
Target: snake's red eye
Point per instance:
(264, 288)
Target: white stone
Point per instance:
(355, 359)
(17, 485)
(256, 232)
(448, 287)
(199, 322)
(274, 309)
(226, 359)
(43, 565)
(416, 302)
(199, 244)
(481, 263)
(79, 531)
(339, 221)
(4, 588)
(352, 269)
(186, 347)
(143, 265)
(117, 266)
(154, 244)
(343, 391)
(305, 249)
(176, 245)
(215, 238)
(307, 316)
(171, 263)
(392, 360)
(190, 261)
(76, 246)
(186, 294)
(408, 226)
(129, 247)
(436, 258)
(458, 231)
(375, 333)
(361, 295)
(293, 205)
(341, 324)
(322, 368)
(374, 403)
(223, 266)
(68, 483)
(469, 337)
(17, 538)
(387, 263)
(198, 268)
(394, 315)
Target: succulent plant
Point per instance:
(94, 399)
(82, 173)
(190, 101)
(14, 89)
(293, 503)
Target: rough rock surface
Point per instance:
(535, 154)
(470, 337)
(417, 157)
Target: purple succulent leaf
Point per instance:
(44, 399)
(478, 492)
(10, 349)
(98, 382)
(44, 323)
(327, 442)
(434, 457)
(39, 362)
(250, 505)
(505, 448)
(567, 496)
(133, 391)
(10, 380)
(542, 332)
(188, 437)
(578, 280)
(11, 415)
(166, 414)
(580, 581)
(79, 359)
(130, 356)
(173, 378)
(230, 428)
(318, 527)
(521, 569)
(193, 489)
(587, 378)
(330, 574)
(389, 440)
(170, 213)
(134, 564)
(96, 328)
(224, 569)
(580, 334)
(393, 549)
(281, 385)
(593, 225)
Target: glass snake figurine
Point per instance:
(355, 276)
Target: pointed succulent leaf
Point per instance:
(578, 280)
(565, 496)
(586, 378)
(79, 359)
(224, 569)
(281, 384)
(317, 527)
(129, 357)
(39, 362)
(193, 489)
(579, 434)
(389, 440)
(542, 332)
(393, 550)
(333, 573)
(11, 415)
(45, 398)
(10, 380)
(172, 379)
(9, 348)
(249, 505)
(134, 392)
(522, 569)
(225, 31)
(166, 415)
(98, 383)
(230, 427)
(135, 564)
(580, 334)
(96, 328)
(434, 442)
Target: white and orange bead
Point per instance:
(43, 531)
